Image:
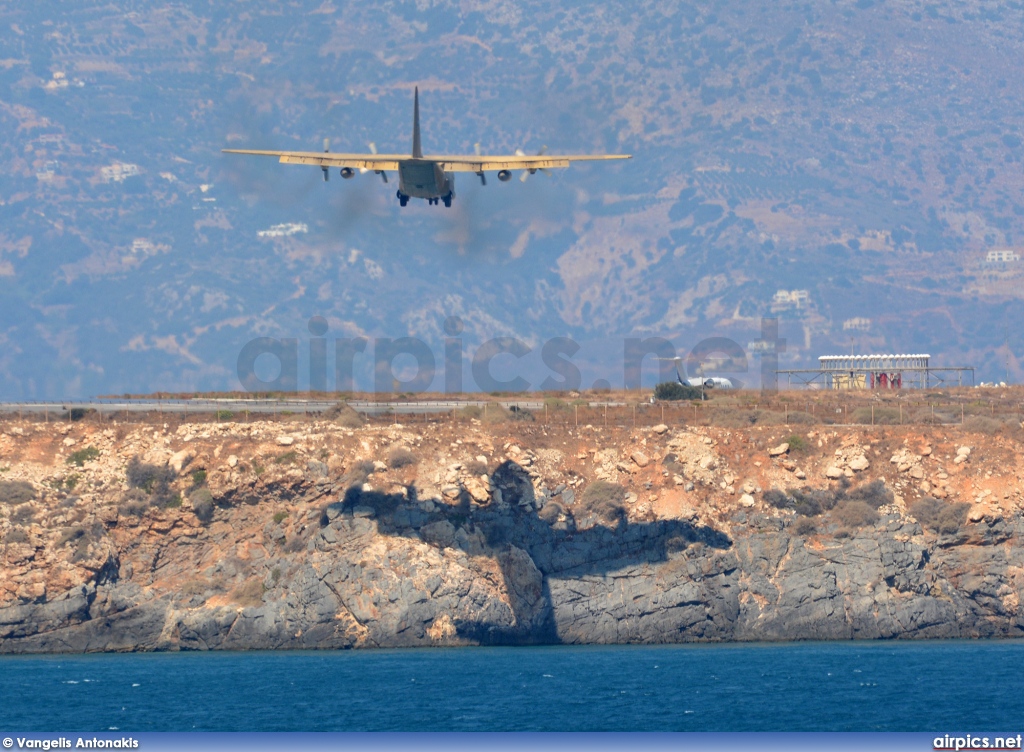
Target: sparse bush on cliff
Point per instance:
(15, 535)
(198, 478)
(882, 416)
(476, 467)
(938, 516)
(605, 499)
(147, 477)
(798, 417)
(810, 502)
(135, 503)
(249, 594)
(729, 417)
(280, 517)
(359, 473)
(778, 498)
(81, 537)
(400, 457)
(343, 415)
(854, 514)
(551, 511)
(804, 526)
(14, 492)
(79, 458)
(23, 514)
(875, 494)
(988, 425)
(202, 504)
(673, 391)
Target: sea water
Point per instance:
(855, 686)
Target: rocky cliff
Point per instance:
(330, 534)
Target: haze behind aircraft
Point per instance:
(428, 177)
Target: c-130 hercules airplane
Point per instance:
(428, 177)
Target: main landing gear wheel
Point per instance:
(402, 198)
(448, 200)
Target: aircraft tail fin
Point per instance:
(417, 148)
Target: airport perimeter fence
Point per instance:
(978, 415)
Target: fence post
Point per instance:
(576, 410)
(961, 413)
(873, 415)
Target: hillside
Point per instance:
(866, 152)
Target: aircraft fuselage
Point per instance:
(421, 178)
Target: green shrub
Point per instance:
(939, 517)
(669, 391)
(796, 443)
(82, 456)
(224, 415)
(280, 517)
(14, 492)
(198, 478)
(288, 458)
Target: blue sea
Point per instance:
(877, 686)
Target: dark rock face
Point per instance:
(388, 571)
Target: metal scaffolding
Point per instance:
(877, 372)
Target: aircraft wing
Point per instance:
(472, 163)
(480, 164)
(328, 158)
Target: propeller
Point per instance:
(373, 150)
(327, 148)
(528, 172)
(481, 175)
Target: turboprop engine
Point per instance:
(504, 176)
(347, 172)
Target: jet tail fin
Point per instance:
(417, 148)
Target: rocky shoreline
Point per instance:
(330, 534)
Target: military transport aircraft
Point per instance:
(429, 176)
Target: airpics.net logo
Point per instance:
(969, 742)
(492, 365)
